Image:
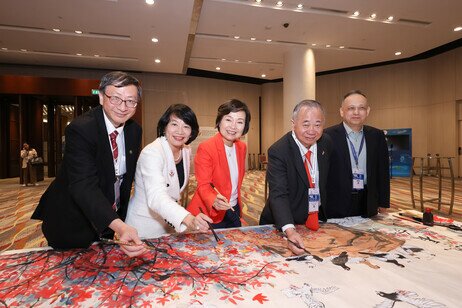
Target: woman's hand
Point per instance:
(198, 223)
(221, 203)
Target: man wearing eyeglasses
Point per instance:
(89, 197)
(358, 183)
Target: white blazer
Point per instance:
(153, 209)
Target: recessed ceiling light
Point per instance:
(263, 75)
(157, 60)
(217, 68)
(341, 47)
(398, 53)
(154, 39)
(355, 14)
(390, 18)
(150, 2)
(236, 37)
(373, 16)
(269, 40)
(457, 29)
(300, 6)
(258, 1)
(56, 30)
(97, 56)
(279, 3)
(4, 48)
(314, 44)
(78, 54)
(249, 61)
(223, 59)
(252, 38)
(23, 49)
(327, 45)
(78, 31)
(236, 60)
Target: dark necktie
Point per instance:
(312, 222)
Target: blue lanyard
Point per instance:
(353, 150)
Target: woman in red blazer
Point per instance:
(220, 166)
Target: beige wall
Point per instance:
(420, 95)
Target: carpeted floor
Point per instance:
(17, 203)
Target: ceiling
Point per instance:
(200, 34)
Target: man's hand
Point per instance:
(128, 234)
(294, 240)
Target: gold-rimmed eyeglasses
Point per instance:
(117, 101)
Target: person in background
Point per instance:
(89, 197)
(220, 166)
(359, 178)
(162, 173)
(29, 173)
(298, 165)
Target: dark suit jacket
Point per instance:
(76, 209)
(288, 182)
(340, 180)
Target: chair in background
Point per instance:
(262, 161)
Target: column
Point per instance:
(299, 81)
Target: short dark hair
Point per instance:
(184, 113)
(354, 92)
(233, 105)
(119, 79)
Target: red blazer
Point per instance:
(211, 167)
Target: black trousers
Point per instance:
(231, 219)
(359, 202)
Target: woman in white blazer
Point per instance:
(162, 173)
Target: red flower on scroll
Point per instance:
(260, 298)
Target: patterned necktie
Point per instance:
(115, 150)
(312, 222)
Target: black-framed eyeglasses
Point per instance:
(117, 101)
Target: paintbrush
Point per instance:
(211, 228)
(109, 241)
(214, 188)
(304, 249)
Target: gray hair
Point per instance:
(307, 103)
(119, 79)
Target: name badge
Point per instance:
(358, 178)
(314, 200)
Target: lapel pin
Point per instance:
(130, 151)
(322, 153)
(171, 173)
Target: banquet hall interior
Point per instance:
(405, 55)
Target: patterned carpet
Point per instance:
(17, 203)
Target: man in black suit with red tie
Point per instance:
(358, 182)
(298, 164)
(89, 197)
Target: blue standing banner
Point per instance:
(399, 143)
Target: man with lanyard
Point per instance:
(358, 182)
(89, 197)
(297, 171)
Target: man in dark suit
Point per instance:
(297, 170)
(89, 197)
(358, 182)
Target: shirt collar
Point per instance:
(303, 150)
(349, 131)
(110, 127)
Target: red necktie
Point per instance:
(312, 222)
(115, 150)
